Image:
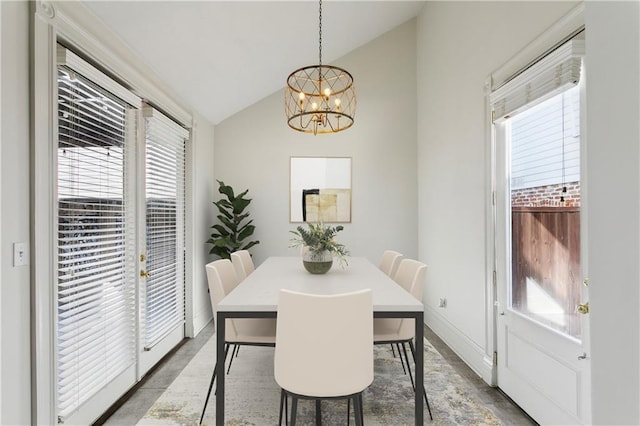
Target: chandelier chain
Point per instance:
(320, 33)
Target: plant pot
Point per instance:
(317, 262)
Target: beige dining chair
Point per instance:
(324, 349)
(242, 263)
(222, 279)
(389, 262)
(400, 331)
(389, 265)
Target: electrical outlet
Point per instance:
(20, 254)
(443, 302)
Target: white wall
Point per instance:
(613, 231)
(253, 149)
(204, 189)
(459, 45)
(14, 144)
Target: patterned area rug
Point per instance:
(253, 397)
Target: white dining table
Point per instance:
(257, 297)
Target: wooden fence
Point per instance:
(546, 251)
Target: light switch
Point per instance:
(20, 254)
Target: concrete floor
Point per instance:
(137, 402)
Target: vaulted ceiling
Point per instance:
(222, 56)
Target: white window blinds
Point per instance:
(545, 142)
(163, 293)
(551, 75)
(95, 304)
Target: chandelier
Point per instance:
(320, 98)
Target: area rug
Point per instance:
(253, 397)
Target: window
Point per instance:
(537, 114)
(545, 211)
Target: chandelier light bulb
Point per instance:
(301, 96)
(314, 106)
(327, 92)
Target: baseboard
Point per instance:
(469, 351)
(200, 322)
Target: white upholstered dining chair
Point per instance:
(242, 263)
(400, 331)
(324, 348)
(389, 265)
(389, 262)
(222, 279)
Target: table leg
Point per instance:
(220, 332)
(419, 323)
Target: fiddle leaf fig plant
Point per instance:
(229, 235)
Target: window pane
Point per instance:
(545, 212)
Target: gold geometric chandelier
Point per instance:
(320, 98)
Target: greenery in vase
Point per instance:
(318, 237)
(230, 233)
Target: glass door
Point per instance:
(542, 361)
(162, 238)
(120, 184)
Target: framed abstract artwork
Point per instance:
(320, 189)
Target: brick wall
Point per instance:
(548, 195)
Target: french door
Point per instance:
(542, 324)
(161, 237)
(119, 303)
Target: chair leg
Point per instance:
(404, 370)
(348, 411)
(286, 409)
(282, 397)
(318, 412)
(406, 358)
(357, 409)
(413, 353)
(236, 348)
(213, 379)
(294, 410)
(393, 350)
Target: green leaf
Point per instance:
(251, 244)
(222, 231)
(232, 226)
(239, 204)
(226, 190)
(246, 232)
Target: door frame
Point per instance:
(73, 24)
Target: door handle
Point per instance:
(583, 308)
(583, 356)
(143, 273)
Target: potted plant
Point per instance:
(230, 233)
(319, 246)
